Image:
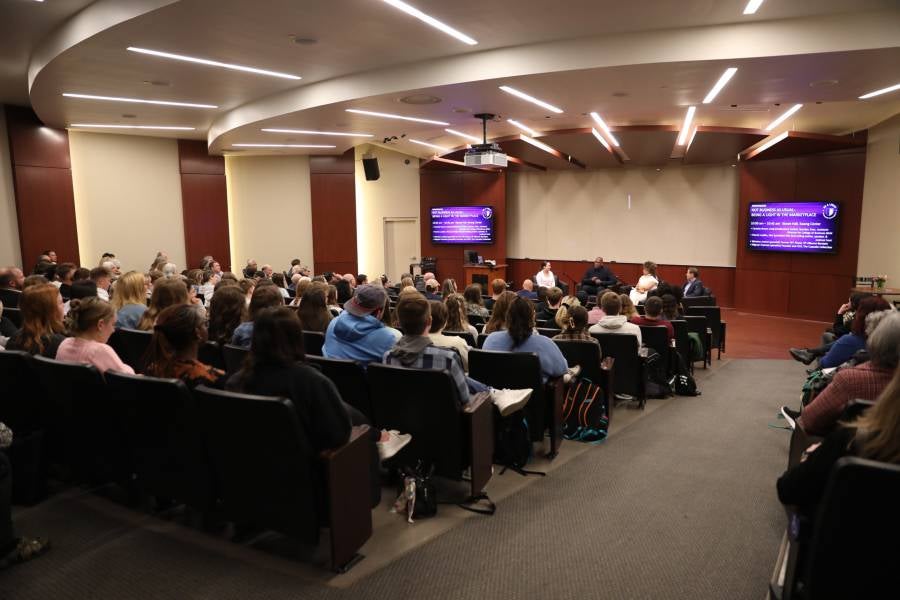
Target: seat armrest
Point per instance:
(478, 418)
(476, 401)
(555, 392)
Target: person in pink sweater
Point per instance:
(91, 322)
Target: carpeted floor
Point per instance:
(680, 504)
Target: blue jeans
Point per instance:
(476, 386)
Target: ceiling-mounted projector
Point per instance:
(485, 154)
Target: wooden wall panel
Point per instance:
(204, 204)
(42, 178)
(333, 200)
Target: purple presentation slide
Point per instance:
(462, 225)
(793, 226)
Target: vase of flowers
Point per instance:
(878, 281)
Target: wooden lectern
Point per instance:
(484, 274)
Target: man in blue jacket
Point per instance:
(693, 286)
(358, 333)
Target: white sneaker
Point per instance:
(395, 442)
(509, 401)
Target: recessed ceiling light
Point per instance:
(724, 79)
(686, 126)
(101, 126)
(392, 116)
(212, 63)
(532, 99)
(786, 114)
(415, 12)
(310, 132)
(157, 82)
(435, 146)
(600, 139)
(471, 138)
(538, 144)
(281, 146)
(605, 128)
(886, 90)
(527, 130)
(138, 100)
(752, 7)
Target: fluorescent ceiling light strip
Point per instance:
(310, 132)
(527, 130)
(212, 63)
(281, 146)
(538, 144)
(752, 7)
(786, 114)
(100, 126)
(724, 79)
(390, 116)
(415, 12)
(686, 126)
(531, 99)
(605, 128)
(464, 135)
(138, 100)
(892, 88)
(778, 138)
(435, 146)
(600, 139)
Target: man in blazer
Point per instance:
(693, 286)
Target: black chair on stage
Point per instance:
(629, 368)
(313, 342)
(131, 345)
(690, 301)
(715, 324)
(234, 357)
(350, 379)
(598, 370)
(274, 479)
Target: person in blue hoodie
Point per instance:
(358, 333)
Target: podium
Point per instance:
(484, 274)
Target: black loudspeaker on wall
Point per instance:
(370, 166)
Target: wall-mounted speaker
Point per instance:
(370, 166)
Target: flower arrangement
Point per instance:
(878, 281)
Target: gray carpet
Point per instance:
(680, 504)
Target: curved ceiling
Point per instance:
(635, 63)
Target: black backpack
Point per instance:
(657, 380)
(584, 412)
(684, 385)
(512, 443)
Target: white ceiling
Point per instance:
(360, 39)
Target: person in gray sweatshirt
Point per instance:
(613, 322)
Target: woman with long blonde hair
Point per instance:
(130, 299)
(456, 315)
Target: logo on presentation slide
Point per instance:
(829, 211)
(487, 212)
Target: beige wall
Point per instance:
(269, 210)
(394, 194)
(10, 253)
(678, 215)
(127, 198)
(879, 242)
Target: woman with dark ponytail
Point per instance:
(91, 321)
(177, 335)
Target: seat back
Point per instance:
(10, 298)
(234, 357)
(210, 353)
(166, 438)
(629, 366)
(422, 402)
(583, 353)
(549, 331)
(689, 301)
(23, 406)
(131, 345)
(656, 337)
(682, 341)
(481, 338)
(475, 320)
(514, 370)
(466, 335)
(268, 477)
(713, 316)
(313, 342)
(349, 377)
(14, 315)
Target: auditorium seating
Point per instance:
(234, 357)
(210, 353)
(22, 407)
(715, 324)
(629, 368)
(548, 331)
(350, 379)
(689, 301)
(466, 335)
(313, 342)
(14, 315)
(698, 324)
(655, 337)
(9, 298)
(131, 345)
(683, 342)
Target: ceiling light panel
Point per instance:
(752, 7)
(686, 126)
(281, 146)
(415, 12)
(886, 90)
(471, 138)
(605, 128)
(786, 114)
(162, 127)
(392, 116)
(778, 138)
(723, 80)
(310, 132)
(212, 63)
(538, 144)
(138, 100)
(527, 130)
(600, 139)
(435, 146)
(532, 99)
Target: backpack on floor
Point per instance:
(657, 380)
(512, 443)
(585, 412)
(684, 385)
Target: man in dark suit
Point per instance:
(596, 279)
(693, 286)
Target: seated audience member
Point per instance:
(415, 350)
(431, 290)
(474, 301)
(102, 276)
(84, 288)
(91, 322)
(215, 268)
(613, 322)
(12, 278)
(267, 271)
(862, 382)
(250, 269)
(498, 286)
(177, 336)
(628, 308)
(166, 293)
(51, 255)
(266, 295)
(65, 273)
(362, 279)
(595, 314)
(653, 316)
(42, 322)
(456, 315)
(247, 286)
(34, 280)
(207, 288)
(693, 286)
(344, 291)
(358, 333)
(13, 550)
(435, 332)
(447, 288)
(527, 290)
(519, 336)
(331, 301)
(875, 435)
(389, 318)
(497, 322)
(596, 279)
(351, 279)
(670, 307)
(551, 307)
(405, 281)
(845, 347)
(843, 321)
(566, 304)
(313, 312)
(647, 282)
(81, 274)
(574, 326)
(545, 277)
(278, 280)
(130, 299)
(227, 310)
(302, 285)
